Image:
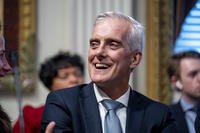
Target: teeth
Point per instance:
(101, 65)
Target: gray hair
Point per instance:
(135, 37)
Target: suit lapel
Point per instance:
(89, 110)
(91, 116)
(135, 113)
(180, 115)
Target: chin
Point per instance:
(97, 80)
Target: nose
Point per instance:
(101, 52)
(6, 65)
(73, 79)
(5, 68)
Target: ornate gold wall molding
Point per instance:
(27, 47)
(159, 41)
(27, 19)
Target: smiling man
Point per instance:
(108, 104)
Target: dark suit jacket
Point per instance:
(75, 110)
(197, 120)
(180, 118)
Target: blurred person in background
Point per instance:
(5, 123)
(63, 70)
(172, 72)
(188, 77)
(4, 66)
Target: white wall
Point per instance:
(66, 25)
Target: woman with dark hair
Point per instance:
(63, 70)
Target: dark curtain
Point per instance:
(11, 26)
(181, 10)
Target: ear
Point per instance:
(135, 59)
(179, 85)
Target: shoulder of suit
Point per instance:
(72, 89)
(149, 102)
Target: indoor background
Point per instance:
(38, 29)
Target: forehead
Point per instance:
(111, 25)
(190, 64)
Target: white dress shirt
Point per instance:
(121, 113)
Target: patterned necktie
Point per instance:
(112, 123)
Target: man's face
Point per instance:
(110, 59)
(190, 77)
(67, 77)
(4, 66)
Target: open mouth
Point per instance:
(101, 66)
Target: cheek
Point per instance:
(65, 85)
(1, 63)
(122, 59)
(90, 55)
(188, 83)
(80, 81)
(117, 55)
(185, 81)
(60, 84)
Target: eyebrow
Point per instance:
(94, 39)
(106, 40)
(194, 71)
(113, 39)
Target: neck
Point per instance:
(190, 99)
(114, 92)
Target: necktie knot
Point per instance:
(193, 109)
(111, 104)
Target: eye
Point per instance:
(77, 74)
(114, 45)
(2, 54)
(94, 44)
(193, 74)
(62, 77)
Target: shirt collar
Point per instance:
(100, 95)
(186, 105)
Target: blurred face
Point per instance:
(4, 66)
(110, 59)
(67, 77)
(190, 77)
